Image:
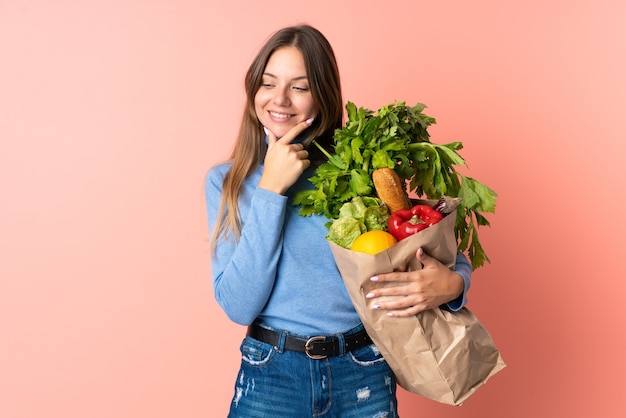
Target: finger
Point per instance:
(401, 306)
(303, 159)
(295, 131)
(394, 303)
(426, 260)
(391, 277)
(400, 290)
(413, 310)
(302, 154)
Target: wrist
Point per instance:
(457, 285)
(274, 188)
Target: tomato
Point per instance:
(373, 242)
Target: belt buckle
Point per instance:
(308, 347)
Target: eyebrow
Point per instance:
(302, 77)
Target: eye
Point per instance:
(300, 89)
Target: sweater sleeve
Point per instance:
(463, 268)
(243, 272)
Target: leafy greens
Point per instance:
(396, 136)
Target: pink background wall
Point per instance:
(112, 111)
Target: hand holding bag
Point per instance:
(442, 355)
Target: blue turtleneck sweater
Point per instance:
(282, 271)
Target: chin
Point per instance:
(279, 132)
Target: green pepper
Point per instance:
(406, 222)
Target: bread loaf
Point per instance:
(390, 189)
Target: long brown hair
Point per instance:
(250, 147)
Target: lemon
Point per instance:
(373, 242)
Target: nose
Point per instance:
(281, 97)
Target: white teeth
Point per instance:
(279, 115)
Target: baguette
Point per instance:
(390, 189)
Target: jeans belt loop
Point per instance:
(342, 344)
(280, 346)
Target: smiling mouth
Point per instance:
(280, 115)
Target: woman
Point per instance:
(306, 353)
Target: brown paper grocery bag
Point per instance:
(444, 356)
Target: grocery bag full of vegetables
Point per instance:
(384, 174)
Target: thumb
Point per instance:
(424, 258)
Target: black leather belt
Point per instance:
(315, 347)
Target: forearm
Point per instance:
(244, 272)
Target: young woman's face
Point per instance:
(284, 98)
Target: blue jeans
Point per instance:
(278, 383)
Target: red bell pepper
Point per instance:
(406, 222)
